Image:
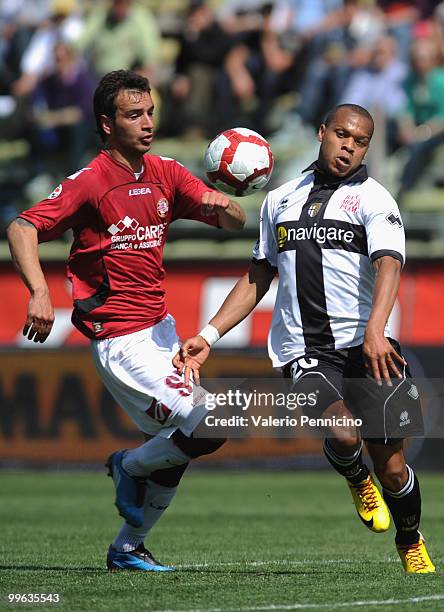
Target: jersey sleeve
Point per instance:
(58, 212)
(266, 246)
(384, 228)
(188, 196)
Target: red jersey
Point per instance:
(120, 225)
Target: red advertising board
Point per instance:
(195, 291)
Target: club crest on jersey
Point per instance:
(162, 207)
(55, 194)
(313, 209)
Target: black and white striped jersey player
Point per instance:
(335, 237)
(323, 235)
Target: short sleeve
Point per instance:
(188, 196)
(384, 228)
(59, 211)
(266, 246)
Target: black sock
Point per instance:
(405, 506)
(349, 466)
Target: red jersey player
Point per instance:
(120, 207)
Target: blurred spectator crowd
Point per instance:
(213, 65)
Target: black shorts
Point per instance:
(387, 413)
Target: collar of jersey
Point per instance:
(127, 169)
(358, 176)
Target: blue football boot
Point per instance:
(130, 491)
(139, 559)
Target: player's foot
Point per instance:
(130, 491)
(370, 505)
(415, 558)
(139, 559)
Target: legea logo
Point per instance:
(137, 191)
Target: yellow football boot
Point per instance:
(370, 505)
(415, 558)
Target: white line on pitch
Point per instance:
(330, 606)
(210, 564)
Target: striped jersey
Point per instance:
(322, 234)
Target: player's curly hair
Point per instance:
(108, 89)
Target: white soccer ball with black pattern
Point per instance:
(239, 161)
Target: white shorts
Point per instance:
(137, 371)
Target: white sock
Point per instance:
(157, 500)
(156, 454)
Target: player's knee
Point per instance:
(344, 441)
(344, 438)
(196, 447)
(392, 474)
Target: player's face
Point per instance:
(344, 142)
(131, 130)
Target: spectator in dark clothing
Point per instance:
(62, 107)
(189, 107)
(257, 70)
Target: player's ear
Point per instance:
(321, 132)
(105, 122)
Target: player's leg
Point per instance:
(135, 368)
(342, 444)
(391, 413)
(128, 547)
(161, 487)
(403, 496)
(343, 450)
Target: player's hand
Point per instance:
(213, 200)
(40, 317)
(192, 355)
(381, 358)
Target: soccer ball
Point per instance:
(239, 161)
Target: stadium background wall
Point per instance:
(54, 409)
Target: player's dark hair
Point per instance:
(108, 89)
(354, 108)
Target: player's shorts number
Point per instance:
(298, 367)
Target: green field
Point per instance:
(239, 541)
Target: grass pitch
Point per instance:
(239, 540)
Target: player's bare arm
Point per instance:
(23, 244)
(242, 299)
(380, 355)
(231, 216)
